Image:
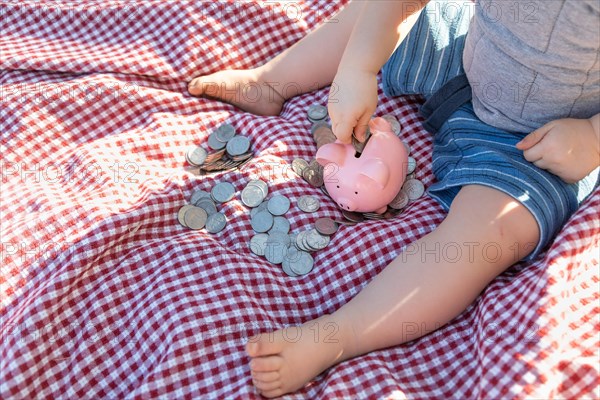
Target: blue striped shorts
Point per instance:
(467, 151)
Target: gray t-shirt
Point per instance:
(533, 61)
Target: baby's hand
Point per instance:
(352, 102)
(569, 148)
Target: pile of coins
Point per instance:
(202, 211)
(312, 171)
(229, 151)
(273, 239)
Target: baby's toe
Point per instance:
(266, 364)
(266, 376)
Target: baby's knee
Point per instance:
(495, 216)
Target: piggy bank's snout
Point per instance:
(346, 204)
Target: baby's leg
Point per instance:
(433, 281)
(309, 64)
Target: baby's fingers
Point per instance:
(360, 130)
(534, 154)
(534, 137)
(343, 130)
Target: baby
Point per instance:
(512, 96)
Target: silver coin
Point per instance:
(406, 146)
(400, 201)
(276, 249)
(413, 188)
(238, 145)
(181, 214)
(292, 253)
(293, 237)
(393, 122)
(314, 121)
(275, 252)
(195, 218)
(196, 156)
(261, 207)
(258, 244)
(197, 195)
(361, 145)
(305, 245)
(262, 221)
(280, 237)
(411, 166)
(280, 224)
(308, 203)
(299, 165)
(285, 265)
(358, 146)
(225, 132)
(252, 196)
(208, 205)
(262, 185)
(300, 240)
(278, 205)
(216, 222)
(214, 142)
(317, 112)
(316, 241)
(222, 192)
(300, 264)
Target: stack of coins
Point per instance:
(229, 151)
(322, 134)
(273, 239)
(311, 172)
(202, 211)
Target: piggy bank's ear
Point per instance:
(331, 153)
(379, 124)
(375, 170)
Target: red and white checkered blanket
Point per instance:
(105, 295)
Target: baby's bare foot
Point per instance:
(244, 88)
(286, 360)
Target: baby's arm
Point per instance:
(569, 148)
(353, 96)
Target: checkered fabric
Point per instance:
(105, 295)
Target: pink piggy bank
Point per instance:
(367, 183)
